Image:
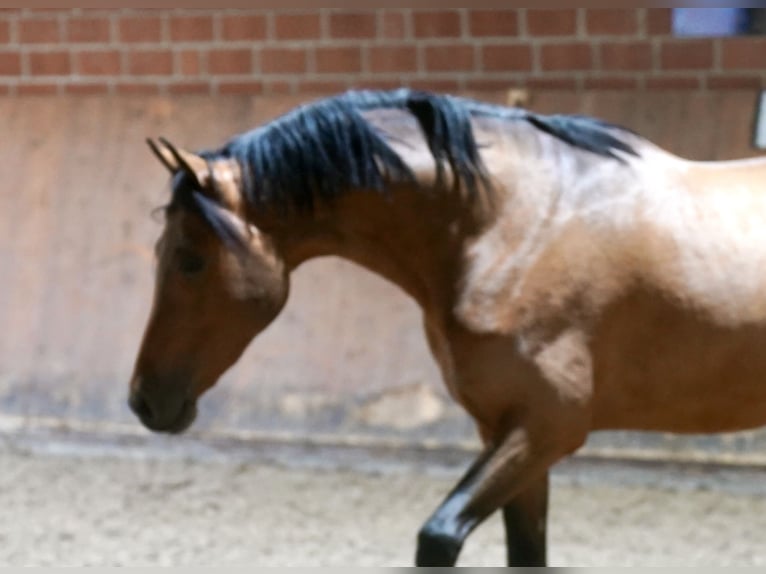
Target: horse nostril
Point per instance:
(140, 406)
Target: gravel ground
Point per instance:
(68, 509)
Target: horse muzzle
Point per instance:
(162, 411)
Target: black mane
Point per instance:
(323, 149)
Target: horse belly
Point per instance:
(658, 366)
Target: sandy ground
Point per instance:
(69, 509)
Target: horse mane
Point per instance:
(322, 149)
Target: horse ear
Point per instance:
(176, 160)
(163, 154)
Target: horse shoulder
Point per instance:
(517, 343)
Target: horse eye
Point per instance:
(189, 262)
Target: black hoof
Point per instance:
(436, 549)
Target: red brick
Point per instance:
(243, 27)
(26, 89)
(39, 31)
(189, 62)
(86, 89)
(383, 59)
(241, 87)
(190, 88)
(611, 83)
(392, 24)
(458, 57)
(490, 84)
(659, 21)
(377, 84)
(565, 57)
(736, 82)
(191, 28)
(543, 83)
(100, 63)
(10, 64)
(558, 22)
(626, 56)
(339, 60)
(613, 22)
(687, 55)
(49, 64)
(743, 53)
(230, 62)
(322, 86)
(297, 26)
(436, 24)
(150, 63)
(276, 87)
(88, 30)
(436, 85)
(352, 24)
(502, 58)
(140, 29)
(494, 23)
(283, 61)
(138, 88)
(5, 32)
(673, 83)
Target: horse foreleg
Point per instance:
(525, 519)
(502, 472)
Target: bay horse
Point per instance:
(572, 276)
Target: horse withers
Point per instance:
(572, 277)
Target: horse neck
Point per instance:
(412, 237)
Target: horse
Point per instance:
(572, 275)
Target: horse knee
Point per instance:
(437, 547)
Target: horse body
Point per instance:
(640, 283)
(682, 350)
(564, 290)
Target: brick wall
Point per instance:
(268, 51)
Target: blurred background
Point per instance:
(346, 364)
